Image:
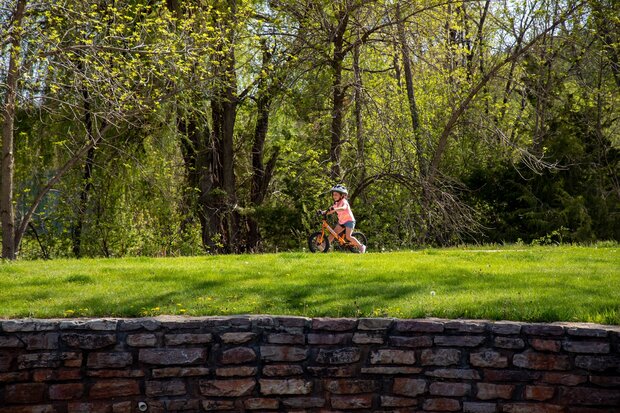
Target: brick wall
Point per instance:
(264, 363)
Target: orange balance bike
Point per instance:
(319, 241)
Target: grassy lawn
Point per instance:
(516, 283)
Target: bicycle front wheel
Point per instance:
(315, 246)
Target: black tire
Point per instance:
(313, 246)
(361, 238)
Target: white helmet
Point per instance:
(340, 189)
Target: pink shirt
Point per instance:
(345, 214)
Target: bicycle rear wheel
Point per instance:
(315, 246)
(361, 238)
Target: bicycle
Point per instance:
(319, 241)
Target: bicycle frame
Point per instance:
(326, 227)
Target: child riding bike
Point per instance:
(346, 219)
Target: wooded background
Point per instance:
(149, 127)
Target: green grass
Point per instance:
(531, 284)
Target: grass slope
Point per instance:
(532, 284)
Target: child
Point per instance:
(346, 219)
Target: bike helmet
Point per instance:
(340, 189)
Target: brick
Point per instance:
(210, 405)
(159, 388)
(393, 401)
(459, 341)
(541, 361)
(587, 332)
(368, 338)
(488, 391)
(414, 342)
(586, 347)
(142, 340)
(283, 353)
(47, 408)
(440, 357)
(89, 408)
(56, 375)
(304, 402)
(339, 356)
(237, 338)
(506, 328)
(104, 389)
(392, 357)
(187, 338)
(291, 321)
(473, 407)
(540, 393)
(88, 341)
(281, 370)
(463, 326)
(488, 358)
(180, 372)
(122, 373)
(598, 363)
(47, 341)
(149, 324)
(409, 387)
(339, 371)
(289, 386)
(606, 381)
(109, 360)
(241, 371)
(227, 388)
(48, 360)
(334, 324)
(238, 355)
(374, 323)
(509, 343)
(418, 326)
(326, 339)
(285, 338)
(352, 402)
(566, 379)
(511, 375)
(346, 386)
(462, 374)
(14, 326)
(125, 407)
(543, 330)
(11, 342)
(259, 403)
(177, 406)
(25, 393)
(66, 391)
(531, 408)
(173, 356)
(572, 409)
(590, 396)
(391, 370)
(14, 377)
(6, 359)
(449, 389)
(442, 405)
(545, 345)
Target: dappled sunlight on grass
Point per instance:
(535, 284)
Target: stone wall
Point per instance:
(264, 363)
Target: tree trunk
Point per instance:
(413, 108)
(338, 95)
(86, 179)
(359, 125)
(9, 247)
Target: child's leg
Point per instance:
(338, 229)
(351, 238)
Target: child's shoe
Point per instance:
(363, 249)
